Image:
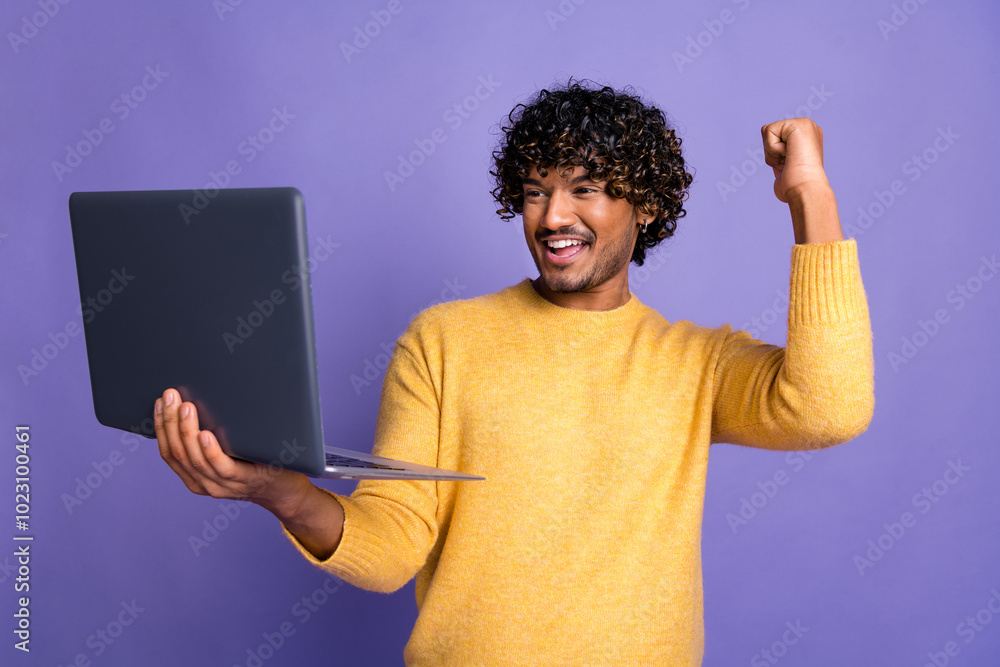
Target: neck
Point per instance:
(606, 296)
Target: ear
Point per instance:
(642, 217)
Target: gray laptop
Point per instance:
(209, 292)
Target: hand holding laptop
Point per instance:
(314, 517)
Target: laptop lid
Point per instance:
(209, 294)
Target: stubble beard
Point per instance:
(605, 267)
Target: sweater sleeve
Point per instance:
(819, 389)
(390, 526)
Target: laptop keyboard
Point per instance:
(336, 460)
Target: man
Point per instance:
(593, 556)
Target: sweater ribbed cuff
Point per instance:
(352, 557)
(305, 552)
(826, 283)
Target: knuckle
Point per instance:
(188, 426)
(201, 466)
(218, 492)
(195, 488)
(212, 457)
(177, 455)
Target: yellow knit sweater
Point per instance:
(582, 547)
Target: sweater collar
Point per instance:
(582, 320)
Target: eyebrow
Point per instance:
(578, 179)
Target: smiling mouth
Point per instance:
(564, 251)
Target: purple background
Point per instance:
(884, 99)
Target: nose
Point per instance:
(559, 211)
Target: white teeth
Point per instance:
(563, 244)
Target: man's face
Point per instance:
(601, 230)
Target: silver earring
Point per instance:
(645, 226)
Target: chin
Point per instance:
(563, 284)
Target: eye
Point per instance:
(529, 194)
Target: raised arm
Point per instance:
(819, 389)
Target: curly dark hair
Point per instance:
(613, 135)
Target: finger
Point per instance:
(775, 147)
(161, 435)
(221, 464)
(162, 441)
(182, 441)
(772, 134)
(187, 427)
(231, 477)
(166, 454)
(171, 427)
(804, 142)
